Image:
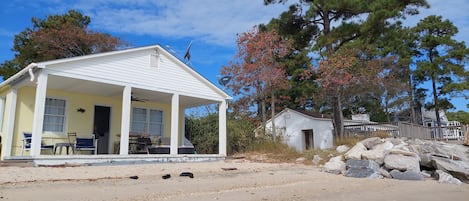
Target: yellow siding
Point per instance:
(82, 123)
(24, 116)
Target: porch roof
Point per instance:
(95, 87)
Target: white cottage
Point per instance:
(114, 96)
(303, 130)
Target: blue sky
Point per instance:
(212, 25)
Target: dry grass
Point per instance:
(349, 140)
(269, 151)
(325, 154)
(275, 152)
(352, 140)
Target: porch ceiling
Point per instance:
(84, 86)
(109, 90)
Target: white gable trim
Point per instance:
(29, 68)
(299, 113)
(196, 74)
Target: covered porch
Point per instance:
(109, 111)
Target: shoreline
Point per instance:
(222, 180)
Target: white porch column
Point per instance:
(222, 128)
(174, 124)
(8, 137)
(125, 120)
(182, 122)
(38, 120)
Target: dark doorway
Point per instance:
(309, 140)
(102, 116)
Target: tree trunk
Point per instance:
(437, 109)
(264, 119)
(272, 108)
(337, 118)
(386, 110)
(410, 91)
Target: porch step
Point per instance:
(17, 163)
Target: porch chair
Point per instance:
(83, 144)
(143, 144)
(26, 143)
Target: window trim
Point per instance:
(65, 124)
(147, 119)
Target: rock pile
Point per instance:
(403, 159)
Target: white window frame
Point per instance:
(147, 120)
(64, 125)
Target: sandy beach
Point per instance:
(223, 180)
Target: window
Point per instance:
(54, 115)
(147, 121)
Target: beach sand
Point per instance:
(243, 181)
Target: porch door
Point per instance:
(102, 116)
(309, 140)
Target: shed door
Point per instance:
(309, 139)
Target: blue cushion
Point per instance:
(85, 143)
(27, 135)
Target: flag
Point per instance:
(187, 56)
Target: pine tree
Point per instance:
(441, 62)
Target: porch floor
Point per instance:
(109, 159)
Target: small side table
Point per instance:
(61, 145)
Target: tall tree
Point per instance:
(291, 25)
(339, 23)
(400, 43)
(442, 62)
(57, 36)
(256, 69)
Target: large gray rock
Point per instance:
(335, 165)
(300, 160)
(369, 143)
(402, 162)
(440, 149)
(444, 177)
(426, 160)
(338, 158)
(403, 152)
(378, 152)
(353, 163)
(316, 159)
(403, 147)
(451, 151)
(386, 145)
(395, 141)
(426, 174)
(362, 169)
(407, 175)
(342, 148)
(455, 168)
(355, 152)
(384, 173)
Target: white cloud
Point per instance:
(212, 21)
